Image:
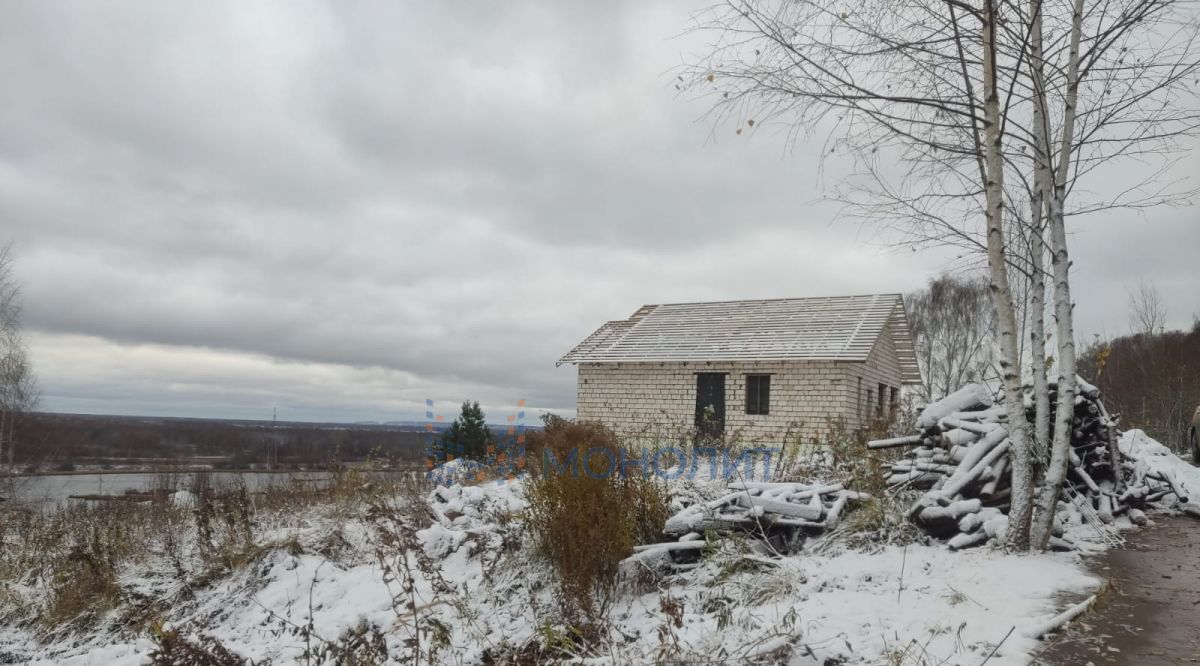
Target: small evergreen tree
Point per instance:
(468, 435)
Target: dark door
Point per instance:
(710, 404)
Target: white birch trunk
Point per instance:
(1040, 440)
(1056, 472)
(1010, 361)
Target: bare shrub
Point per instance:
(650, 507)
(585, 518)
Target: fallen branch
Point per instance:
(1058, 621)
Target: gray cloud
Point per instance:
(345, 208)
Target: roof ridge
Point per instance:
(773, 300)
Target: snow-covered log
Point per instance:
(963, 540)
(962, 454)
(895, 441)
(978, 428)
(1174, 485)
(671, 545)
(784, 514)
(967, 398)
(835, 511)
(785, 509)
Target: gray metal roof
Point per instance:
(842, 328)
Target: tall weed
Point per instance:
(586, 519)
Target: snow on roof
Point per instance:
(841, 328)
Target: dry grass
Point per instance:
(75, 554)
(62, 566)
(878, 520)
(174, 649)
(83, 581)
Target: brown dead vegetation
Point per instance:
(78, 552)
(586, 519)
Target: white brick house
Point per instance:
(763, 371)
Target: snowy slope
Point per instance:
(916, 604)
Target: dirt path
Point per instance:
(1151, 616)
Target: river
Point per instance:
(52, 489)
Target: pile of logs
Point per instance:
(781, 515)
(960, 458)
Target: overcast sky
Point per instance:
(342, 209)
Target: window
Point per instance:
(858, 401)
(879, 405)
(758, 394)
(894, 403)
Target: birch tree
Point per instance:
(1123, 88)
(18, 389)
(1021, 507)
(917, 80)
(947, 108)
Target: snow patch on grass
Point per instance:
(904, 605)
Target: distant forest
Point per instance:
(1152, 380)
(49, 442)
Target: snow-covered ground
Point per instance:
(902, 605)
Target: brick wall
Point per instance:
(657, 401)
(881, 367)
